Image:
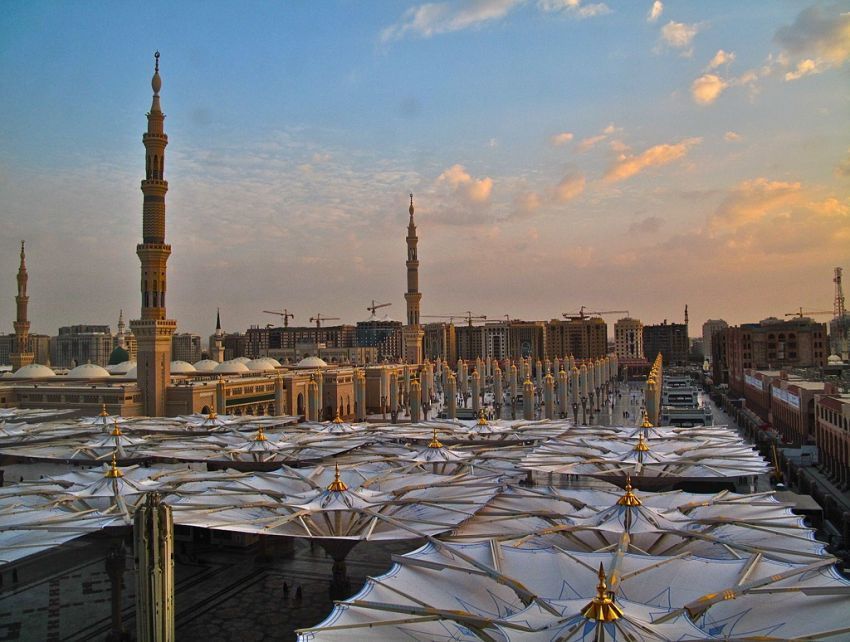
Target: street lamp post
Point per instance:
(575, 412)
(584, 410)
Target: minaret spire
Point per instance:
(153, 331)
(413, 332)
(21, 355)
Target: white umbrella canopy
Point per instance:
(680, 458)
(490, 591)
(580, 519)
(381, 503)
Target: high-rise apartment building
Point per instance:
(709, 329)
(668, 339)
(186, 346)
(79, 344)
(628, 339)
(581, 337)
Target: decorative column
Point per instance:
(563, 393)
(220, 397)
(393, 397)
(498, 393)
(415, 401)
(549, 395)
(153, 544)
(312, 399)
(476, 392)
(528, 399)
(279, 399)
(452, 397)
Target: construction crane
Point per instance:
(806, 313)
(583, 313)
(376, 306)
(285, 314)
(319, 318)
(451, 317)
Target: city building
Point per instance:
(770, 344)
(79, 344)
(709, 329)
(582, 337)
(186, 346)
(832, 436)
(440, 341)
(39, 346)
(628, 339)
(291, 343)
(670, 340)
(527, 339)
(385, 335)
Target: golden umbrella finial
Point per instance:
(602, 608)
(114, 472)
(629, 499)
(261, 434)
(337, 418)
(103, 412)
(482, 420)
(116, 431)
(435, 443)
(337, 485)
(641, 445)
(646, 423)
(212, 415)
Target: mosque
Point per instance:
(157, 386)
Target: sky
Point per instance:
(634, 156)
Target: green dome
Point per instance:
(118, 355)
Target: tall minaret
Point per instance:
(21, 355)
(413, 331)
(217, 345)
(153, 331)
(121, 337)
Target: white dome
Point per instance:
(231, 367)
(131, 373)
(312, 362)
(243, 360)
(34, 371)
(88, 371)
(263, 364)
(205, 365)
(120, 369)
(182, 367)
(834, 360)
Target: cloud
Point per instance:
(732, 137)
(589, 143)
(627, 166)
(433, 18)
(678, 35)
(571, 186)
(561, 139)
(707, 88)
(648, 225)
(655, 12)
(527, 203)
(473, 190)
(806, 67)
(720, 58)
(753, 200)
(843, 168)
(574, 8)
(818, 32)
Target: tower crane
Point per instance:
(319, 318)
(376, 306)
(451, 317)
(284, 314)
(805, 313)
(583, 313)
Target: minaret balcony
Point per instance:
(150, 135)
(154, 182)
